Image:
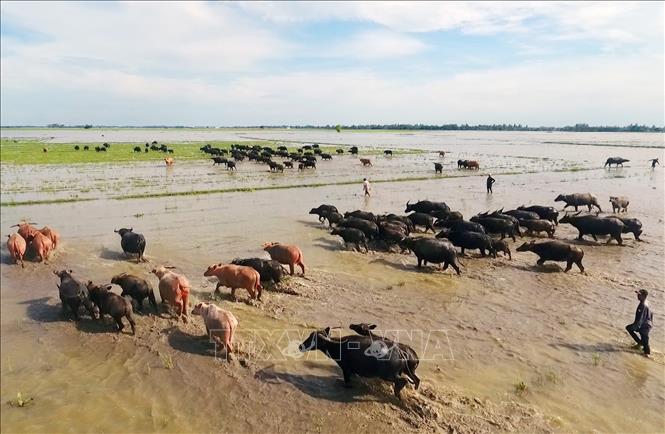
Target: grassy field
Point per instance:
(16, 151)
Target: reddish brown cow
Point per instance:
(286, 254)
(26, 230)
(366, 161)
(16, 245)
(472, 164)
(173, 289)
(41, 246)
(52, 234)
(236, 276)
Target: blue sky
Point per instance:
(224, 64)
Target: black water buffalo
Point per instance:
(231, 165)
(422, 219)
(268, 269)
(618, 161)
(462, 163)
(392, 234)
(325, 156)
(288, 164)
(426, 206)
(319, 210)
(388, 152)
(521, 214)
(501, 246)
(138, 149)
(132, 242)
(592, 225)
(539, 225)
(555, 251)
(73, 294)
(354, 150)
(472, 241)
(308, 164)
(438, 168)
(339, 151)
(76, 147)
(370, 229)
(332, 217)
(86, 147)
(398, 218)
(365, 215)
(408, 353)
(110, 303)
(544, 212)
(632, 225)
(496, 225)
(352, 236)
(578, 199)
(463, 225)
(432, 250)
(219, 160)
(501, 215)
(362, 356)
(137, 288)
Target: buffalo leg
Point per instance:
(399, 385)
(420, 261)
(347, 378)
(233, 293)
(462, 252)
(579, 265)
(482, 253)
(569, 265)
(302, 267)
(132, 324)
(540, 262)
(118, 321)
(455, 267)
(580, 236)
(594, 237)
(291, 269)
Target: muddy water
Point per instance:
(502, 322)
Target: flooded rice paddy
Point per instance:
(500, 324)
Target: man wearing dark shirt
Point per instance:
(643, 322)
(490, 181)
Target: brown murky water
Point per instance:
(502, 322)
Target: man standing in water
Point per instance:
(490, 181)
(654, 161)
(643, 322)
(366, 187)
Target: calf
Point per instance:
(173, 289)
(220, 324)
(438, 168)
(366, 161)
(236, 276)
(286, 254)
(52, 234)
(137, 288)
(501, 246)
(268, 269)
(107, 302)
(619, 203)
(40, 247)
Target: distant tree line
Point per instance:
(633, 128)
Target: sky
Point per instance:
(279, 63)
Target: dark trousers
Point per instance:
(642, 339)
(489, 188)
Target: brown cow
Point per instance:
(220, 324)
(26, 230)
(366, 161)
(173, 289)
(472, 164)
(16, 245)
(52, 234)
(236, 276)
(41, 246)
(169, 161)
(286, 254)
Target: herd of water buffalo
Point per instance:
(362, 229)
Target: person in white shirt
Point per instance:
(366, 187)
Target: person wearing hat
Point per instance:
(643, 322)
(490, 181)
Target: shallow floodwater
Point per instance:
(501, 323)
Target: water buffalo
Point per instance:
(463, 225)
(325, 156)
(500, 215)
(632, 225)
(220, 324)
(132, 242)
(555, 251)
(360, 355)
(408, 353)
(438, 168)
(366, 161)
(339, 151)
(619, 203)
(501, 246)
(268, 269)
(592, 225)
(618, 161)
(496, 225)
(578, 199)
(40, 247)
(76, 147)
(471, 241)
(544, 212)
(231, 165)
(352, 236)
(86, 147)
(307, 164)
(16, 245)
(136, 149)
(392, 233)
(173, 289)
(388, 152)
(107, 302)
(219, 160)
(370, 229)
(332, 217)
(432, 250)
(426, 206)
(522, 215)
(422, 219)
(137, 288)
(286, 254)
(26, 230)
(52, 234)
(462, 163)
(471, 164)
(354, 150)
(365, 215)
(236, 276)
(539, 225)
(73, 294)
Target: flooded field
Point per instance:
(506, 346)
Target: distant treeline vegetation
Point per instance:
(633, 128)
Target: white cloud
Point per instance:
(375, 44)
